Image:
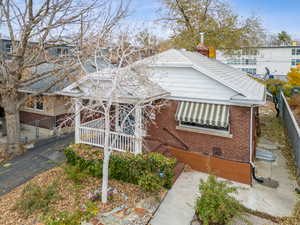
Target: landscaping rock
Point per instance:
(147, 203)
(115, 210)
(140, 211)
(124, 196)
(195, 221)
(132, 217)
(111, 220)
(7, 165)
(86, 223)
(95, 221)
(121, 214)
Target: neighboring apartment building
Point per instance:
(278, 60)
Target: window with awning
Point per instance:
(203, 115)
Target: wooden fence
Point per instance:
(291, 126)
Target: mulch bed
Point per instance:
(73, 197)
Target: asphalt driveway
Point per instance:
(44, 156)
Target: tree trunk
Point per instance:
(12, 120)
(106, 158)
(105, 176)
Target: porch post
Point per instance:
(138, 130)
(117, 109)
(77, 120)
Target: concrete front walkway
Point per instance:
(178, 206)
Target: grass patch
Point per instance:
(272, 129)
(36, 198)
(74, 218)
(75, 174)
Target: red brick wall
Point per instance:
(235, 148)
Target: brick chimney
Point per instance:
(201, 48)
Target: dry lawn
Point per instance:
(73, 196)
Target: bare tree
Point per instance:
(122, 95)
(223, 27)
(35, 28)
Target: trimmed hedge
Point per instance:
(130, 169)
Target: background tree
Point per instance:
(294, 76)
(147, 42)
(223, 28)
(36, 27)
(284, 38)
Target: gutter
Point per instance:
(37, 92)
(251, 136)
(218, 101)
(251, 147)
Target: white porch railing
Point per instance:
(117, 141)
(97, 123)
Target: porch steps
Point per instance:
(178, 170)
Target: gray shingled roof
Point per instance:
(58, 83)
(248, 88)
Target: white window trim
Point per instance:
(202, 130)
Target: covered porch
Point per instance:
(126, 101)
(122, 139)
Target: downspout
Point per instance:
(251, 147)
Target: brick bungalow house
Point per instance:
(212, 114)
(45, 112)
(210, 120)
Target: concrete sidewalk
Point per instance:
(178, 206)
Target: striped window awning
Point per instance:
(203, 113)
